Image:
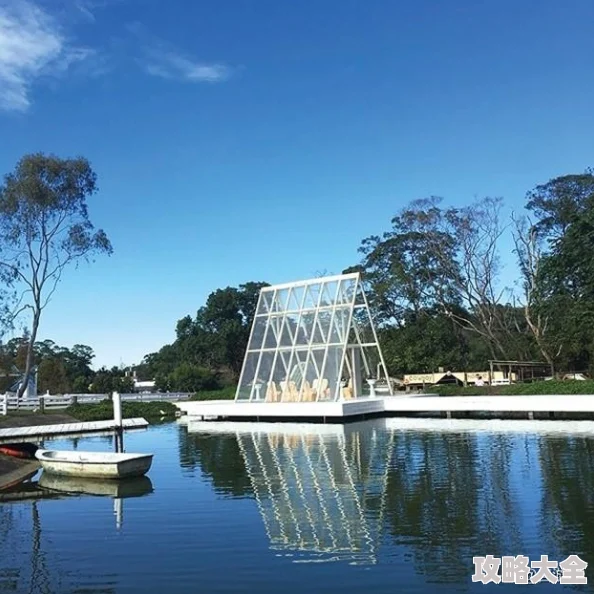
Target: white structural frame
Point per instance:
(301, 338)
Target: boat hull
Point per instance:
(128, 466)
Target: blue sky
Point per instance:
(239, 141)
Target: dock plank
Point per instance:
(69, 428)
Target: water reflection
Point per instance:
(442, 491)
(25, 549)
(25, 567)
(237, 504)
(567, 495)
(215, 455)
(320, 489)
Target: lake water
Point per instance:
(380, 506)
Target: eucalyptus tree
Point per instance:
(44, 229)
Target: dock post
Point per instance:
(117, 409)
(4, 407)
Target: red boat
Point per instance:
(19, 450)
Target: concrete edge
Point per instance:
(16, 476)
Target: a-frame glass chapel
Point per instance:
(312, 341)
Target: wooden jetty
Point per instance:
(42, 431)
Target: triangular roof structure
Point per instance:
(312, 341)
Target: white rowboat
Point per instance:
(94, 464)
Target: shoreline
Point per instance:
(15, 470)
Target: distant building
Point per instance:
(461, 378)
(146, 386)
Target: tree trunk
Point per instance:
(30, 353)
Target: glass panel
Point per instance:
(295, 297)
(276, 306)
(247, 377)
(257, 338)
(359, 300)
(319, 381)
(263, 377)
(274, 330)
(289, 329)
(265, 302)
(338, 331)
(288, 386)
(324, 319)
(297, 374)
(329, 292)
(362, 323)
(282, 296)
(306, 327)
(332, 371)
(319, 336)
(345, 293)
(311, 296)
(369, 368)
(315, 290)
(279, 372)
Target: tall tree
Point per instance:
(446, 259)
(562, 211)
(45, 228)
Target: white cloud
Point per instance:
(163, 60)
(168, 64)
(31, 46)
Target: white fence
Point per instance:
(10, 402)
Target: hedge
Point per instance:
(541, 387)
(227, 393)
(103, 411)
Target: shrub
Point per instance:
(103, 411)
(227, 393)
(534, 388)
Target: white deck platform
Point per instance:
(414, 424)
(20, 433)
(390, 406)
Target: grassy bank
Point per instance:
(227, 393)
(102, 411)
(550, 387)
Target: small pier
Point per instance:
(43, 431)
(552, 407)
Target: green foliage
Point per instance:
(60, 370)
(103, 411)
(227, 393)
(564, 211)
(191, 378)
(428, 340)
(111, 380)
(433, 281)
(534, 388)
(208, 350)
(44, 228)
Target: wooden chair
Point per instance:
(272, 393)
(289, 391)
(320, 388)
(308, 394)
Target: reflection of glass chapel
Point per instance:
(312, 341)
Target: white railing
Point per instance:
(10, 401)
